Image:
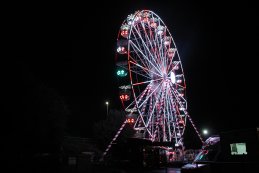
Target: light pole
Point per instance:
(107, 104)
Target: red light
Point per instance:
(124, 97)
(130, 120)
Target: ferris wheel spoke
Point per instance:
(144, 42)
(146, 58)
(140, 96)
(156, 102)
(169, 116)
(176, 126)
(136, 123)
(170, 64)
(150, 95)
(138, 44)
(138, 60)
(166, 57)
(145, 46)
(173, 104)
(156, 54)
(141, 83)
(158, 46)
(176, 96)
(179, 85)
(139, 31)
(149, 41)
(175, 66)
(136, 72)
(163, 114)
(148, 63)
(143, 61)
(162, 50)
(171, 108)
(144, 123)
(176, 111)
(177, 93)
(145, 69)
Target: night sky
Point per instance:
(71, 48)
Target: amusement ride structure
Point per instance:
(152, 83)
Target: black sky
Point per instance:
(71, 48)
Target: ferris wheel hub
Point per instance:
(172, 77)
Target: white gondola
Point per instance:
(160, 30)
(167, 40)
(179, 81)
(130, 19)
(171, 52)
(131, 110)
(145, 17)
(153, 22)
(181, 108)
(125, 87)
(121, 50)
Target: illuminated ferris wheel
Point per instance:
(152, 83)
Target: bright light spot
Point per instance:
(172, 76)
(205, 132)
(121, 73)
(106, 103)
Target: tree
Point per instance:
(34, 120)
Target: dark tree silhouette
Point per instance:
(34, 119)
(105, 130)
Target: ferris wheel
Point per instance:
(151, 77)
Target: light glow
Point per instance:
(172, 77)
(205, 132)
(121, 73)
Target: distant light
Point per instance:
(106, 103)
(205, 132)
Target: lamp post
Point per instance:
(107, 104)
